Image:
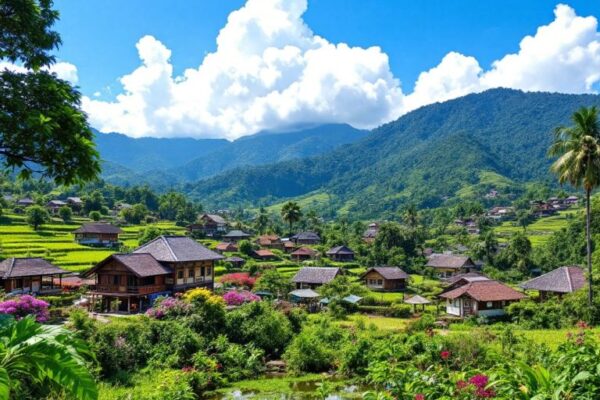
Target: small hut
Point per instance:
(417, 300)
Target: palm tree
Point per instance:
(578, 163)
(33, 354)
(290, 212)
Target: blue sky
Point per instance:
(99, 39)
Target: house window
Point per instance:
(179, 274)
(190, 273)
(489, 304)
(116, 279)
(131, 280)
(208, 270)
(380, 282)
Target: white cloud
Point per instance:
(270, 71)
(63, 70)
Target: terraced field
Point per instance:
(54, 241)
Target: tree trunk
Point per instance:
(588, 237)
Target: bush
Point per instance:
(237, 298)
(24, 306)
(95, 215)
(60, 301)
(238, 279)
(421, 324)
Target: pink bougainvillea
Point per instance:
(168, 307)
(239, 279)
(236, 298)
(25, 305)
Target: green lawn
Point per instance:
(383, 323)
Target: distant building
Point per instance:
(558, 282)
(265, 254)
(371, 233)
(385, 278)
(447, 265)
(572, 200)
(270, 242)
(98, 234)
(226, 247)
(235, 236)
(501, 213)
(304, 254)
(211, 225)
(55, 205)
(25, 202)
(75, 202)
(313, 277)
(306, 238)
(341, 254)
(30, 275)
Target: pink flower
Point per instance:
(445, 354)
(236, 298)
(460, 385)
(419, 396)
(479, 381)
(582, 325)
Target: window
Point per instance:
(179, 274)
(116, 279)
(190, 273)
(489, 304)
(380, 282)
(208, 270)
(131, 281)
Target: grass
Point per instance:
(382, 323)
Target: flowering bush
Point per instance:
(236, 298)
(168, 307)
(25, 305)
(239, 279)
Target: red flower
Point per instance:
(582, 325)
(479, 381)
(460, 385)
(419, 396)
(445, 354)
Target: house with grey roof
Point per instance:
(341, 254)
(235, 236)
(306, 238)
(30, 275)
(98, 234)
(558, 282)
(385, 278)
(447, 265)
(313, 277)
(210, 225)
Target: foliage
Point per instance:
(239, 297)
(65, 213)
(36, 216)
(134, 214)
(168, 307)
(150, 233)
(95, 215)
(272, 281)
(239, 280)
(25, 305)
(291, 213)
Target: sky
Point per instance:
(229, 68)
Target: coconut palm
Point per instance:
(291, 213)
(578, 163)
(33, 355)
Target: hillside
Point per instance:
(423, 157)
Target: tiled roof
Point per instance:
(448, 261)
(316, 275)
(264, 253)
(217, 219)
(98, 228)
(485, 291)
(237, 233)
(306, 236)
(561, 280)
(390, 273)
(141, 264)
(468, 277)
(340, 250)
(20, 267)
(304, 251)
(176, 249)
(226, 246)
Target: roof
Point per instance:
(388, 272)
(417, 300)
(306, 236)
(304, 251)
(264, 253)
(340, 250)
(235, 259)
(224, 246)
(26, 200)
(57, 203)
(304, 293)
(316, 275)
(98, 227)
(484, 291)
(141, 264)
(468, 276)
(237, 233)
(352, 298)
(217, 219)
(177, 249)
(265, 240)
(19, 267)
(448, 261)
(75, 199)
(560, 280)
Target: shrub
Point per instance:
(421, 324)
(24, 306)
(236, 298)
(95, 215)
(168, 307)
(238, 279)
(65, 213)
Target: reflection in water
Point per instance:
(301, 391)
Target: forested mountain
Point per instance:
(424, 157)
(166, 163)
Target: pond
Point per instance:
(304, 388)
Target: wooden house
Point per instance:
(306, 238)
(226, 247)
(236, 236)
(304, 254)
(313, 277)
(98, 234)
(54, 205)
(341, 254)
(557, 282)
(480, 298)
(385, 278)
(30, 275)
(263, 254)
(25, 202)
(165, 265)
(371, 233)
(236, 262)
(75, 203)
(288, 246)
(447, 265)
(211, 225)
(270, 242)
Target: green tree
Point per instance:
(65, 213)
(150, 233)
(246, 247)
(41, 123)
(410, 216)
(93, 202)
(262, 221)
(271, 280)
(36, 216)
(135, 214)
(31, 355)
(578, 150)
(291, 213)
(95, 215)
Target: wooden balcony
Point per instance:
(133, 290)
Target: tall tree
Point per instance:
(32, 355)
(291, 213)
(262, 221)
(578, 150)
(42, 128)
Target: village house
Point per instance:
(226, 247)
(371, 232)
(447, 265)
(30, 275)
(75, 203)
(54, 205)
(289, 246)
(341, 254)
(211, 225)
(236, 262)
(304, 254)
(270, 242)
(313, 277)
(163, 266)
(557, 282)
(386, 279)
(572, 200)
(486, 298)
(98, 234)
(306, 238)
(25, 202)
(235, 236)
(264, 255)
(501, 213)
(467, 276)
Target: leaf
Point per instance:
(582, 376)
(4, 384)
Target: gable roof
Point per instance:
(390, 273)
(236, 233)
(217, 219)
(449, 261)
(235, 259)
(20, 267)
(340, 250)
(56, 203)
(306, 236)
(141, 264)
(265, 240)
(304, 251)
(177, 249)
(467, 277)
(560, 280)
(226, 246)
(74, 199)
(484, 291)
(416, 299)
(316, 275)
(264, 253)
(98, 227)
